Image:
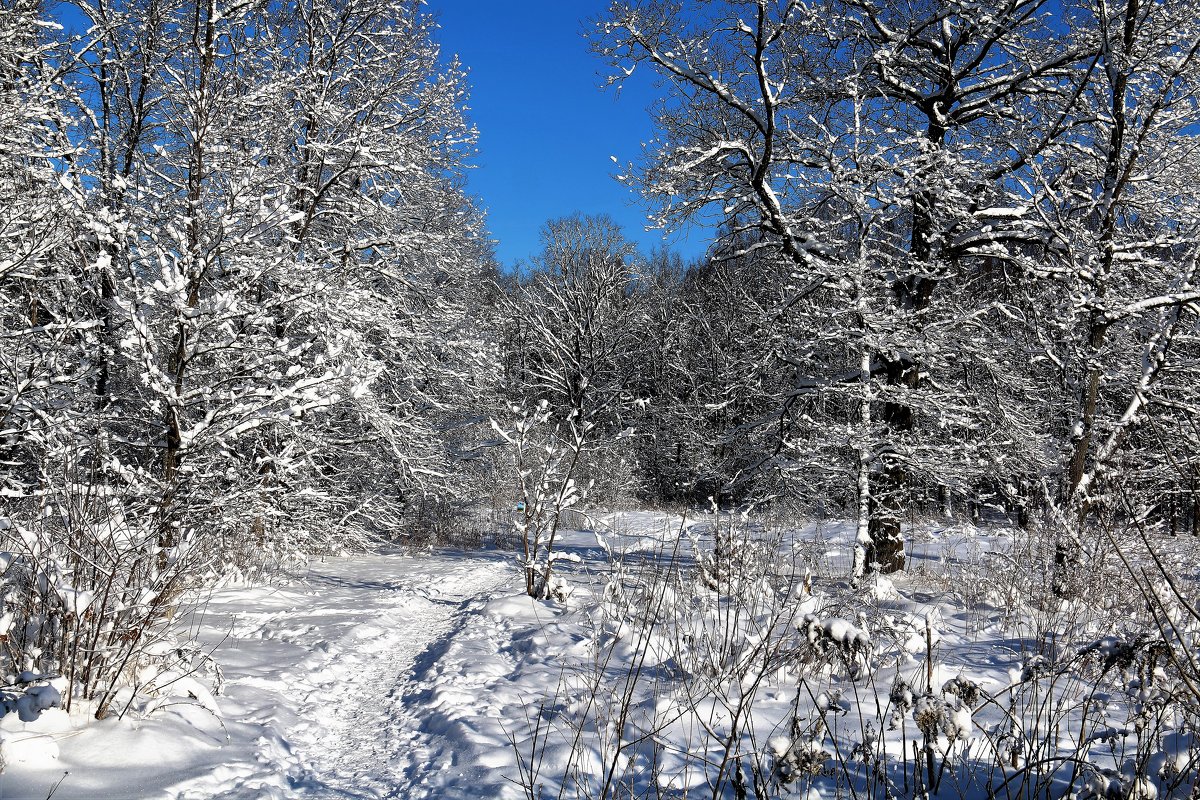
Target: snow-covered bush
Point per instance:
(545, 458)
(737, 555)
(836, 635)
(31, 694)
(685, 643)
(89, 592)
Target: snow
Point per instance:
(318, 677)
(431, 675)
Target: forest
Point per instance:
(250, 314)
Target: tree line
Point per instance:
(243, 305)
(240, 271)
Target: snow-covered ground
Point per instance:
(673, 665)
(321, 695)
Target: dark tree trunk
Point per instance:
(913, 294)
(1195, 508)
(891, 483)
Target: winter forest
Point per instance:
(894, 493)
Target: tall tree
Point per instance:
(572, 341)
(870, 146)
(45, 319)
(283, 232)
(1118, 204)
(573, 318)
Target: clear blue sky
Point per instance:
(546, 129)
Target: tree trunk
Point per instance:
(891, 484)
(863, 543)
(203, 33)
(913, 294)
(1195, 507)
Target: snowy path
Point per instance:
(433, 677)
(366, 677)
(326, 668)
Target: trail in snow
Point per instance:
(434, 677)
(358, 741)
(334, 718)
(375, 676)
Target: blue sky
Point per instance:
(546, 130)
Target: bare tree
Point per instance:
(573, 341)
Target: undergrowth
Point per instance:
(733, 663)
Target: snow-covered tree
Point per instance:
(241, 314)
(290, 263)
(1118, 204)
(45, 318)
(571, 315)
(573, 338)
(376, 141)
(713, 412)
(869, 147)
